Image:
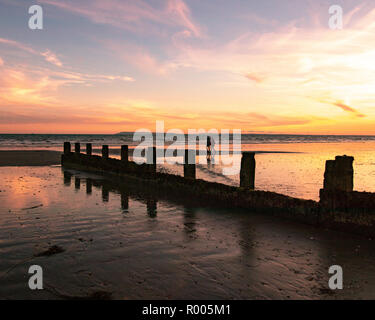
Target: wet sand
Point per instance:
(29, 158)
(135, 246)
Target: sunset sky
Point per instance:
(270, 66)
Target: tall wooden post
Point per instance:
(189, 164)
(247, 173)
(89, 149)
(125, 154)
(67, 148)
(105, 152)
(77, 148)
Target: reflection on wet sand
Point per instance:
(67, 178)
(77, 183)
(151, 207)
(189, 222)
(124, 202)
(88, 186)
(105, 193)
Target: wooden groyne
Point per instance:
(339, 207)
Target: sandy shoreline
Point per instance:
(29, 158)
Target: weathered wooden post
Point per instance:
(247, 173)
(105, 152)
(338, 175)
(77, 148)
(189, 164)
(338, 181)
(67, 148)
(89, 149)
(151, 159)
(125, 154)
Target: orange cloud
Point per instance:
(254, 77)
(348, 109)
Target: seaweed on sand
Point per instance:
(50, 251)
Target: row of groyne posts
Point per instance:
(247, 172)
(338, 176)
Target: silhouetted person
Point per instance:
(209, 145)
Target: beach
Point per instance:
(94, 239)
(29, 158)
(131, 245)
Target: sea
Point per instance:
(289, 164)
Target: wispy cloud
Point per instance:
(18, 45)
(52, 58)
(134, 15)
(297, 63)
(139, 57)
(47, 55)
(21, 81)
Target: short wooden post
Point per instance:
(338, 175)
(151, 159)
(105, 152)
(77, 148)
(67, 148)
(125, 154)
(89, 149)
(189, 164)
(247, 173)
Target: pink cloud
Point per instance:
(181, 12)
